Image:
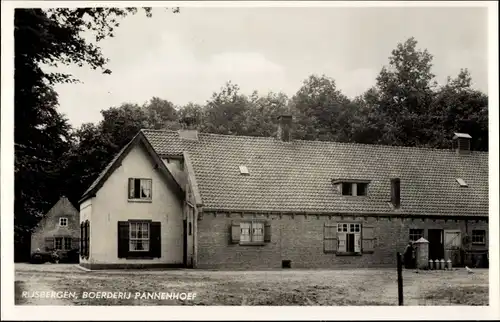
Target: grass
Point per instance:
(279, 287)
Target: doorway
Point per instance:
(436, 246)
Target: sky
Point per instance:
(187, 56)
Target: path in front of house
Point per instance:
(268, 287)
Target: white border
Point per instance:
(9, 311)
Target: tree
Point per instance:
(263, 112)
(457, 107)
(225, 112)
(322, 111)
(400, 102)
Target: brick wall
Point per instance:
(299, 239)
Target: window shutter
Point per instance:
(267, 232)
(155, 239)
(123, 235)
(368, 242)
(82, 239)
(87, 238)
(49, 243)
(330, 238)
(342, 247)
(235, 232)
(131, 188)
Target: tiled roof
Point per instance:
(297, 176)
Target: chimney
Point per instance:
(396, 192)
(284, 128)
(188, 135)
(461, 143)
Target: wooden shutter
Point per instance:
(267, 232)
(330, 238)
(155, 239)
(235, 232)
(131, 188)
(87, 239)
(123, 239)
(49, 243)
(82, 240)
(368, 239)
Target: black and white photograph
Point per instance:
(250, 155)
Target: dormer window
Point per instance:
(462, 182)
(352, 187)
(244, 170)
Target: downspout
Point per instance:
(195, 237)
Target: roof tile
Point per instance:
(296, 176)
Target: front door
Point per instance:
(436, 247)
(452, 245)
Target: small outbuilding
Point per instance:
(57, 235)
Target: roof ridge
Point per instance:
(383, 146)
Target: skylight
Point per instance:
(244, 170)
(461, 182)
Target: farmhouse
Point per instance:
(189, 199)
(57, 231)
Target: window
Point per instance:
(347, 189)
(461, 182)
(139, 189)
(416, 234)
(349, 237)
(62, 243)
(244, 170)
(139, 237)
(362, 189)
(63, 221)
(190, 229)
(251, 232)
(479, 237)
(353, 188)
(58, 243)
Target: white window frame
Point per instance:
(65, 220)
(145, 186)
(349, 228)
(133, 225)
(483, 235)
(255, 232)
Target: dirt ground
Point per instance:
(276, 287)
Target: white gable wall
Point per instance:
(111, 205)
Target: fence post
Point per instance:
(400, 279)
